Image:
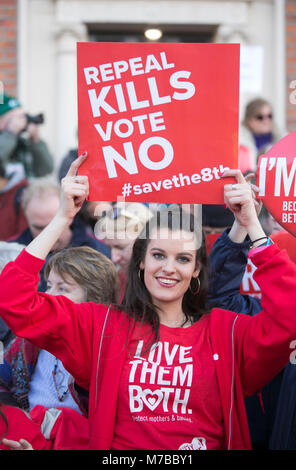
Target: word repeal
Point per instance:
(112, 71)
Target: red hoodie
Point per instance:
(90, 340)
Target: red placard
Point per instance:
(276, 178)
(159, 121)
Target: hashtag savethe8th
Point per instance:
(176, 181)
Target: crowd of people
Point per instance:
(106, 300)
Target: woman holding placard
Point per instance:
(181, 372)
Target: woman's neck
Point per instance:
(171, 314)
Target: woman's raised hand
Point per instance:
(240, 198)
(74, 190)
(258, 203)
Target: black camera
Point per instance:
(37, 119)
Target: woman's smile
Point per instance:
(169, 267)
(166, 282)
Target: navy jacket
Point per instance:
(274, 426)
(227, 264)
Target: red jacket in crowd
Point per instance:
(46, 429)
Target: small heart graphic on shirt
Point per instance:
(152, 399)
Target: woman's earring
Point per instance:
(139, 274)
(197, 289)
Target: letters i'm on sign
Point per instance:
(276, 179)
(159, 121)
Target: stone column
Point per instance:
(65, 105)
(228, 33)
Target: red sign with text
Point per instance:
(159, 121)
(276, 178)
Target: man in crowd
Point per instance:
(20, 141)
(13, 219)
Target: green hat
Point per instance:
(7, 103)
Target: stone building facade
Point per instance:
(38, 48)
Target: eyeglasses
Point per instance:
(58, 378)
(261, 117)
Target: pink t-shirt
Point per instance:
(169, 396)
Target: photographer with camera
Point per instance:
(20, 141)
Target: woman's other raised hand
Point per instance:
(74, 190)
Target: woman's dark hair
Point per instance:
(137, 302)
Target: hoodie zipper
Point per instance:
(232, 384)
(99, 355)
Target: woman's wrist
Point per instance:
(256, 234)
(43, 243)
(237, 233)
(62, 220)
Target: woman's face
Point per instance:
(56, 285)
(261, 123)
(169, 266)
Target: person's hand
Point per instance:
(258, 202)
(74, 190)
(22, 444)
(240, 199)
(33, 131)
(15, 121)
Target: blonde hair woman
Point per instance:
(119, 228)
(258, 131)
(92, 271)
